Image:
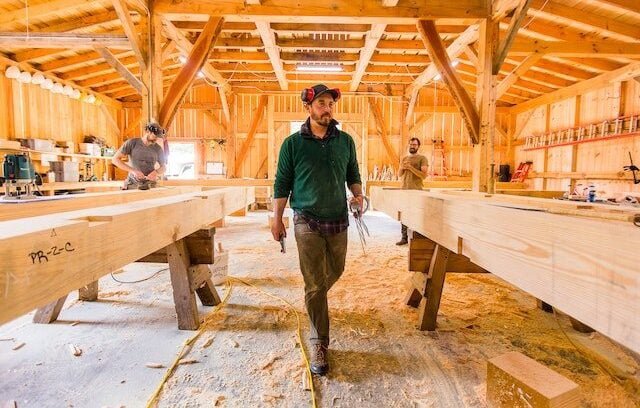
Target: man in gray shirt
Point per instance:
(146, 158)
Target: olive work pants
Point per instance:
(322, 258)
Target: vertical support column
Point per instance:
(483, 178)
(433, 289)
(271, 138)
(151, 40)
(183, 296)
(574, 148)
(545, 159)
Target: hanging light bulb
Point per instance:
(75, 94)
(455, 63)
(91, 99)
(12, 72)
(98, 102)
(437, 77)
(182, 59)
(37, 79)
(47, 84)
(57, 88)
(24, 77)
(67, 90)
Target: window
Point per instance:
(182, 158)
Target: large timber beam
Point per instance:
(121, 69)
(516, 74)
(273, 50)
(548, 261)
(440, 58)
(197, 59)
(470, 35)
(377, 114)
(37, 11)
(258, 113)
(57, 41)
(627, 72)
(587, 49)
(52, 255)
(514, 25)
(370, 43)
(312, 11)
(183, 43)
(122, 10)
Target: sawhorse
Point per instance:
(189, 259)
(430, 263)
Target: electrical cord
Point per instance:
(585, 355)
(140, 280)
(188, 343)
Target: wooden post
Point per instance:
(49, 313)
(183, 296)
(483, 178)
(89, 293)
(433, 289)
(271, 138)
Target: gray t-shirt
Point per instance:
(142, 157)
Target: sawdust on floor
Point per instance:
(248, 354)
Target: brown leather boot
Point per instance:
(319, 359)
(403, 241)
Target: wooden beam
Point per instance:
(377, 114)
(121, 69)
(78, 261)
(482, 228)
(551, 10)
(273, 50)
(122, 10)
(483, 173)
(469, 36)
(209, 72)
(627, 72)
(440, 58)
(516, 74)
(514, 25)
(255, 121)
(472, 54)
(197, 59)
(40, 10)
(62, 40)
(311, 11)
(370, 44)
(80, 23)
(600, 49)
(168, 49)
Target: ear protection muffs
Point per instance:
(307, 95)
(155, 129)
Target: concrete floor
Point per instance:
(247, 355)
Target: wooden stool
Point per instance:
(188, 260)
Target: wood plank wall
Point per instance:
(602, 160)
(202, 122)
(27, 111)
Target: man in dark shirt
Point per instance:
(146, 158)
(313, 167)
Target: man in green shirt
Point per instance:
(313, 167)
(413, 169)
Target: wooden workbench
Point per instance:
(46, 257)
(580, 258)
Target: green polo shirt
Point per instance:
(314, 172)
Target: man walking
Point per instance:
(413, 169)
(313, 167)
